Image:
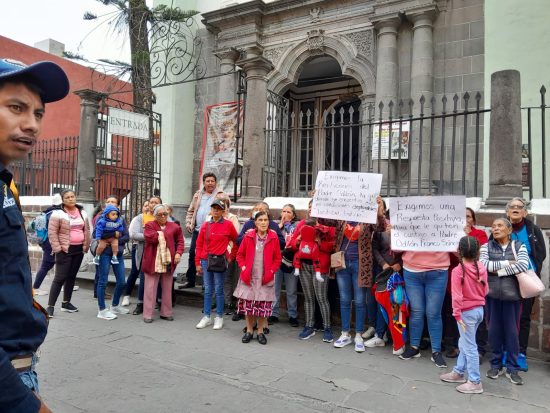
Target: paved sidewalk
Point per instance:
(125, 365)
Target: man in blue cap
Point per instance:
(24, 90)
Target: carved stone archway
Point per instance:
(288, 66)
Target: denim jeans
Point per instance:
(48, 261)
(349, 289)
(291, 289)
(426, 291)
(212, 280)
(468, 358)
(30, 378)
(104, 264)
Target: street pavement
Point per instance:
(125, 365)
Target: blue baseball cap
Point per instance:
(48, 76)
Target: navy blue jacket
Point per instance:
(122, 240)
(23, 327)
(272, 225)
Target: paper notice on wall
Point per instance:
(427, 223)
(399, 142)
(346, 196)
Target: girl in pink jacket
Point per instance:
(468, 289)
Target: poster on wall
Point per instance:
(219, 144)
(381, 140)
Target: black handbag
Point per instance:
(504, 288)
(286, 262)
(215, 263)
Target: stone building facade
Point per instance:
(317, 54)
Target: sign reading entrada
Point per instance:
(124, 123)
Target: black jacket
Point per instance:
(23, 327)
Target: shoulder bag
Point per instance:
(530, 285)
(338, 259)
(215, 263)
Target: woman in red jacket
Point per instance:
(214, 237)
(152, 265)
(259, 258)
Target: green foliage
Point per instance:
(71, 55)
(163, 13)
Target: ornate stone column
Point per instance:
(387, 81)
(421, 85)
(227, 87)
(256, 68)
(387, 68)
(87, 142)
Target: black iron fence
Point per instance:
(534, 151)
(49, 168)
(425, 147)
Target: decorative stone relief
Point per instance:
(314, 14)
(316, 41)
(364, 41)
(274, 55)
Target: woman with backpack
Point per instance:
(69, 235)
(48, 258)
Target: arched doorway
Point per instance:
(313, 125)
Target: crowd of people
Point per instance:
(413, 300)
(345, 265)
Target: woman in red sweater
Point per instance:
(214, 237)
(259, 258)
(173, 236)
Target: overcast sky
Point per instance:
(30, 21)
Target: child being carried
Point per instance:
(310, 234)
(108, 225)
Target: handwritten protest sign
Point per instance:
(427, 223)
(347, 196)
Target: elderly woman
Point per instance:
(259, 258)
(162, 252)
(503, 258)
(531, 236)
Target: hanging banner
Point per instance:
(219, 143)
(381, 140)
(427, 223)
(124, 123)
(346, 196)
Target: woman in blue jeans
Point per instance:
(103, 272)
(426, 275)
(355, 239)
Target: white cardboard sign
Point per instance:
(346, 196)
(427, 223)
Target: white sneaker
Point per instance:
(40, 292)
(343, 340)
(75, 288)
(106, 314)
(359, 345)
(369, 333)
(399, 351)
(375, 342)
(119, 310)
(218, 323)
(125, 301)
(205, 321)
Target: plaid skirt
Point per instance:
(255, 308)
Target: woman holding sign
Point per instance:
(355, 240)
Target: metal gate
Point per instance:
(421, 148)
(127, 167)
